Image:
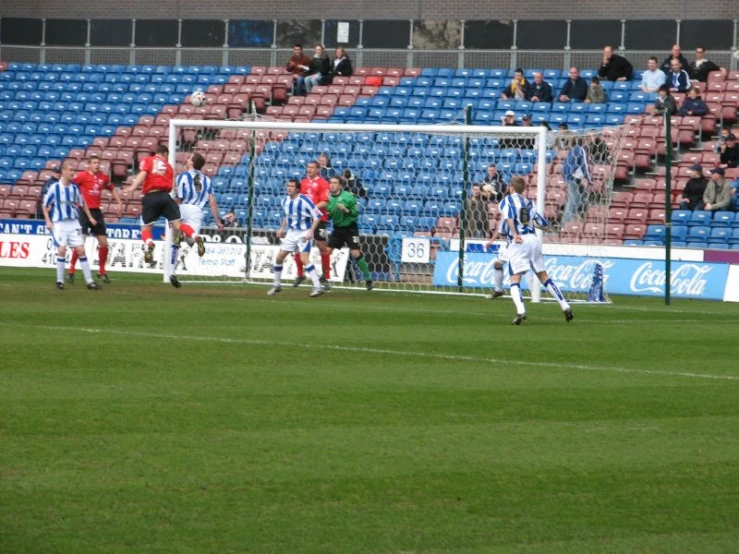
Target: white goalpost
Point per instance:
(421, 222)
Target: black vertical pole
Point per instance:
(252, 196)
(465, 187)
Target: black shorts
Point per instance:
(157, 204)
(345, 235)
(321, 232)
(87, 227)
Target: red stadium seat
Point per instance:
(637, 215)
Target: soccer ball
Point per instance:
(198, 98)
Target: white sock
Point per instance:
(556, 293)
(59, 269)
(498, 273)
(278, 274)
(173, 264)
(310, 271)
(85, 269)
(518, 298)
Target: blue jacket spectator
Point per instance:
(575, 88)
(693, 105)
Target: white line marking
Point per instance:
(363, 350)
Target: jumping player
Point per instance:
(194, 190)
(91, 183)
(156, 175)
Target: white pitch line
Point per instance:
(364, 350)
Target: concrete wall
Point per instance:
(372, 9)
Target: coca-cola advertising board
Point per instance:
(701, 280)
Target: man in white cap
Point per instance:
(510, 119)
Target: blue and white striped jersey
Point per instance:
(523, 213)
(300, 213)
(194, 188)
(63, 201)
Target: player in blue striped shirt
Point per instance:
(524, 251)
(193, 191)
(60, 206)
(298, 227)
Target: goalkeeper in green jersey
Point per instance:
(342, 207)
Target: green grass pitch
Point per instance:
(144, 419)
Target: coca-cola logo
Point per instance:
(476, 273)
(687, 279)
(576, 276)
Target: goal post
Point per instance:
(419, 181)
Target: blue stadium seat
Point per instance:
(723, 219)
(699, 218)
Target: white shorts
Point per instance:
(525, 256)
(192, 215)
(67, 233)
(503, 255)
(294, 242)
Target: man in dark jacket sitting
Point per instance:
(692, 197)
(614, 67)
(575, 88)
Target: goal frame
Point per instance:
(463, 130)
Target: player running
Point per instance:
(61, 214)
(91, 183)
(524, 248)
(156, 175)
(299, 225)
(342, 207)
(193, 191)
(316, 188)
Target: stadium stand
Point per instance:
(51, 112)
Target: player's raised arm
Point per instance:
(140, 177)
(214, 211)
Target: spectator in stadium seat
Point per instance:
(509, 119)
(718, 192)
(324, 166)
(298, 65)
(695, 188)
(229, 219)
(320, 69)
(653, 77)
(730, 151)
(675, 54)
(694, 104)
(596, 94)
(678, 79)
(664, 102)
(342, 65)
(575, 88)
(478, 221)
(539, 90)
(701, 67)
(55, 176)
(494, 178)
(518, 89)
(614, 67)
(354, 184)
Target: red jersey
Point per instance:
(317, 190)
(92, 186)
(159, 174)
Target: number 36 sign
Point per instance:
(415, 250)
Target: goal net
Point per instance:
(425, 213)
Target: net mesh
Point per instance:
(423, 196)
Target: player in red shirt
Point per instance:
(157, 177)
(91, 183)
(316, 188)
